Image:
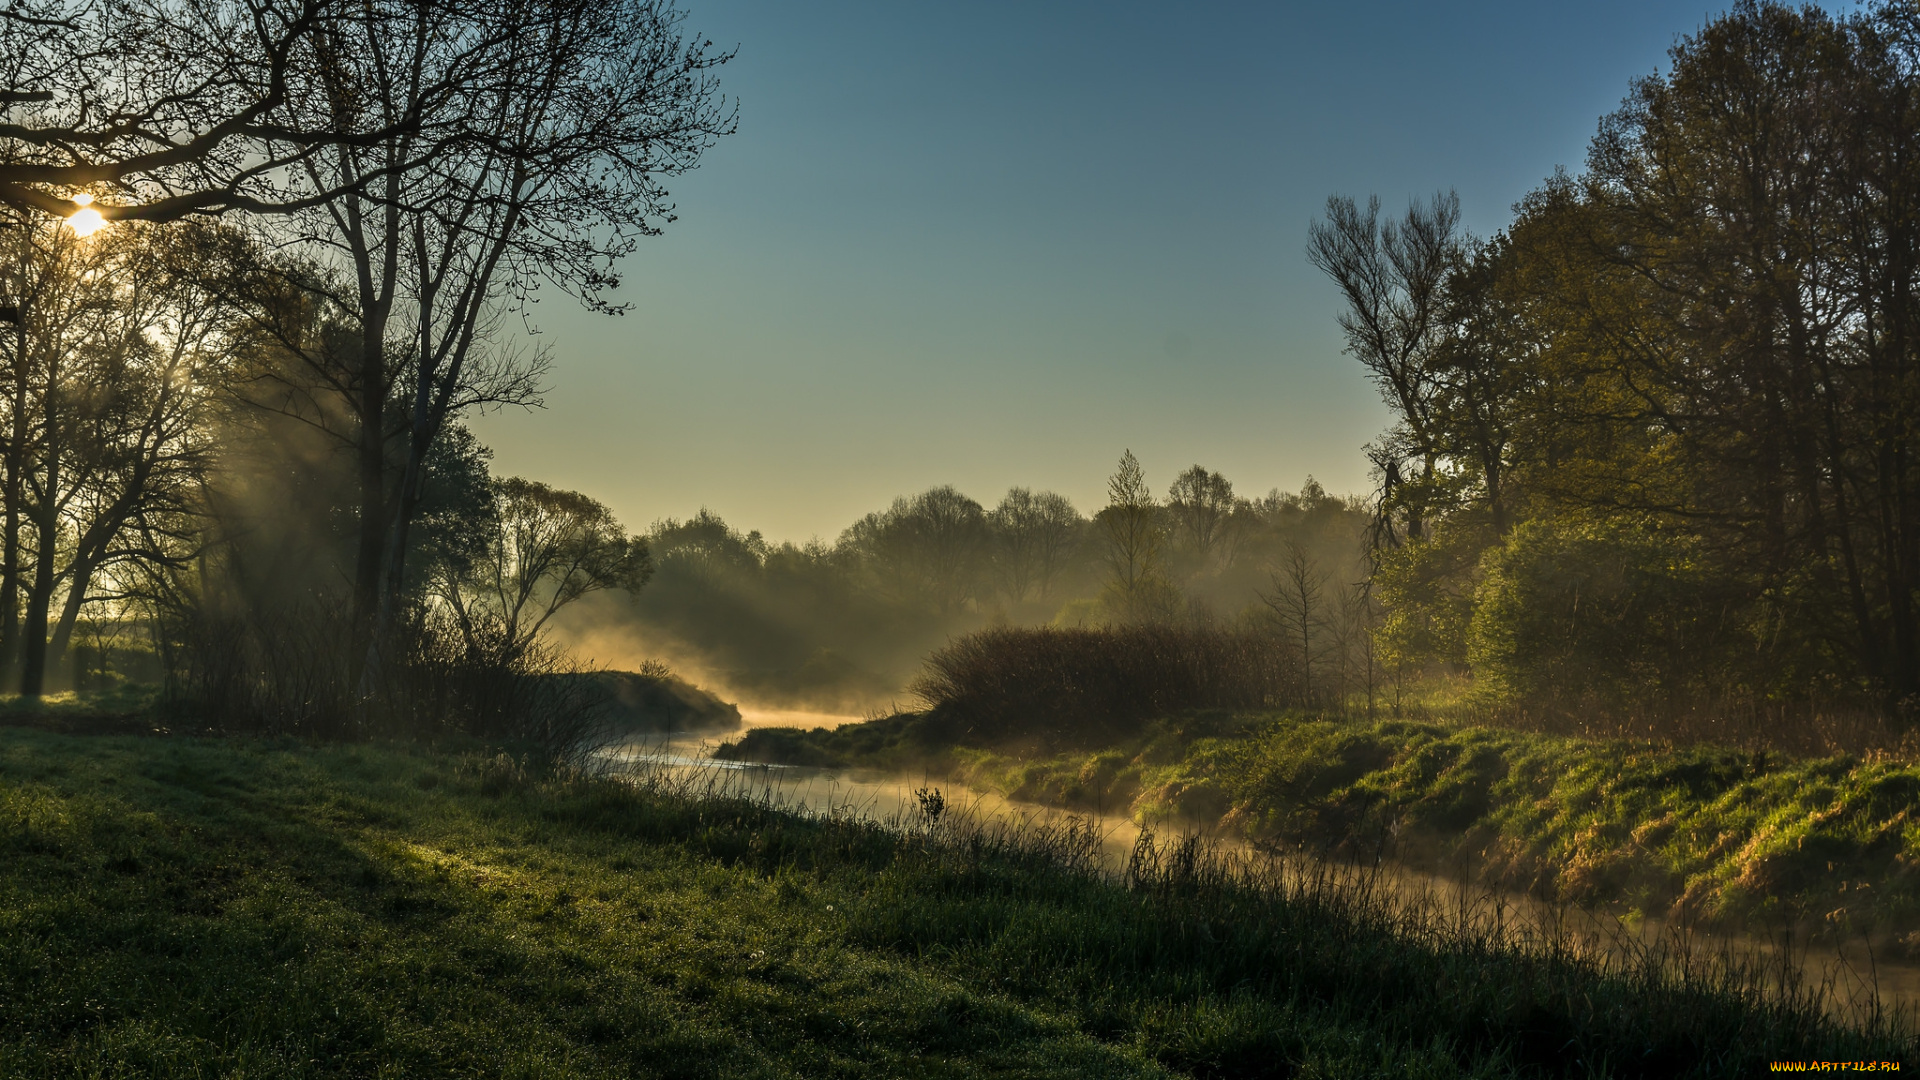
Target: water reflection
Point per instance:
(885, 797)
(754, 717)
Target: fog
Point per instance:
(816, 634)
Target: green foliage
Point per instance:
(178, 908)
(456, 515)
(1425, 590)
(1713, 836)
(1701, 336)
(1601, 611)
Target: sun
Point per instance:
(85, 221)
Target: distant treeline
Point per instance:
(847, 625)
(1655, 448)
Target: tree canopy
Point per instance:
(1677, 395)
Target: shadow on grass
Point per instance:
(187, 907)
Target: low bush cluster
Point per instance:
(1084, 687)
(294, 672)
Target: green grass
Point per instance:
(126, 708)
(178, 907)
(1725, 838)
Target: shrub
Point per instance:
(292, 671)
(1601, 615)
(1082, 687)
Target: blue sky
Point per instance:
(991, 244)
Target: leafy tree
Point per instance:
(1710, 334)
(546, 549)
(1601, 612)
(1032, 534)
(1201, 507)
(929, 549)
(706, 543)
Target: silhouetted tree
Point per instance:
(545, 549)
(929, 549)
(1137, 587)
(174, 107)
(1032, 534)
(120, 360)
(1393, 276)
(1201, 506)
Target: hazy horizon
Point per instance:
(991, 246)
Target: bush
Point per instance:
(655, 700)
(1082, 687)
(1602, 615)
(294, 672)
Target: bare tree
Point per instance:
(1296, 603)
(174, 107)
(1393, 276)
(546, 549)
(1349, 646)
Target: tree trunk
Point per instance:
(33, 671)
(82, 580)
(15, 495)
(15, 492)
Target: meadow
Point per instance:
(187, 907)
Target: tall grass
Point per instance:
(1223, 963)
(1801, 729)
(185, 908)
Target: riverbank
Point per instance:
(1718, 838)
(186, 907)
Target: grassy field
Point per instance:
(179, 907)
(1716, 837)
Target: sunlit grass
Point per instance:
(1733, 839)
(178, 907)
(134, 703)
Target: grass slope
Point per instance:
(176, 907)
(1717, 836)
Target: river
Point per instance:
(1849, 977)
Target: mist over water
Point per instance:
(794, 718)
(816, 634)
(602, 633)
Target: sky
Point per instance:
(995, 244)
